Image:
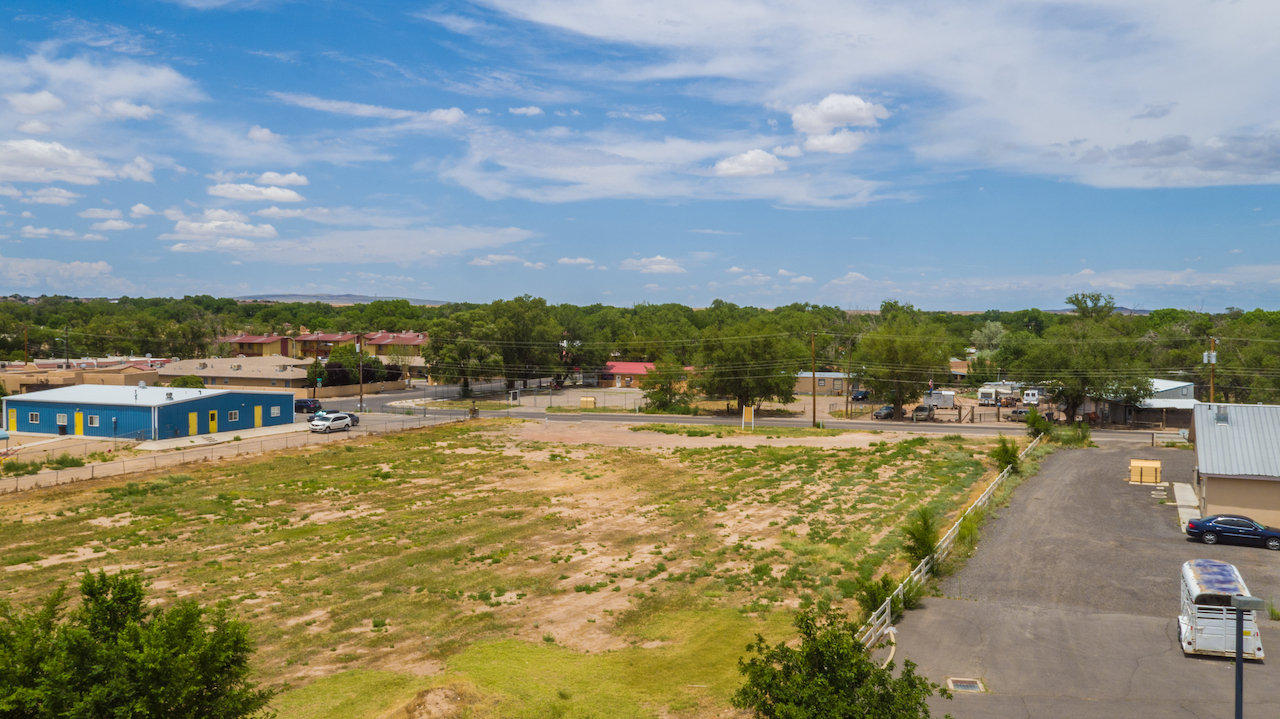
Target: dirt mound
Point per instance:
(439, 703)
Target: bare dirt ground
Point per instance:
(616, 435)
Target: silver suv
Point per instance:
(330, 422)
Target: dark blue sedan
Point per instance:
(1233, 529)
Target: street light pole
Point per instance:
(1242, 605)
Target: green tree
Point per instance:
(1092, 305)
(666, 388)
(316, 374)
(751, 362)
(116, 656)
(899, 357)
(187, 380)
(988, 336)
(355, 363)
(828, 675)
(461, 350)
(529, 338)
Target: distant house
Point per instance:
(624, 374)
(959, 369)
(1238, 460)
(824, 383)
(270, 371)
(258, 345)
(1169, 406)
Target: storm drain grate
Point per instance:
(958, 684)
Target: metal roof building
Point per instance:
(1238, 459)
(144, 412)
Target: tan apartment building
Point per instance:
(824, 384)
(258, 345)
(396, 347)
(320, 344)
(17, 381)
(1238, 460)
(270, 371)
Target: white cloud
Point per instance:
(442, 116)
(216, 225)
(34, 127)
(41, 232)
(836, 110)
(58, 276)
(801, 280)
(35, 103)
(652, 265)
(788, 151)
(100, 213)
(786, 273)
(257, 133)
(421, 244)
(576, 261)
(708, 231)
(50, 196)
(276, 178)
(491, 260)
(735, 270)
(751, 163)
(112, 225)
(141, 210)
(139, 169)
(840, 142)
(38, 161)
(10, 191)
(125, 110)
(527, 110)
(93, 237)
(246, 192)
(638, 116)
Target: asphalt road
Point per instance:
(1069, 607)
(382, 403)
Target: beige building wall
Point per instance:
(1258, 499)
(825, 386)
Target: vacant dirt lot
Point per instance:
(509, 568)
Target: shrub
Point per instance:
(920, 535)
(64, 461)
(828, 674)
(1037, 424)
(1005, 454)
(872, 593)
(1076, 435)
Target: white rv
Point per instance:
(1031, 396)
(1207, 624)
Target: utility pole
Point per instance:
(360, 369)
(24, 344)
(68, 345)
(1211, 359)
(813, 377)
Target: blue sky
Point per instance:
(957, 156)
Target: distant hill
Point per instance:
(337, 300)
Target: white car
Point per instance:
(330, 422)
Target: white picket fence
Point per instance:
(882, 618)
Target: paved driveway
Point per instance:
(1069, 607)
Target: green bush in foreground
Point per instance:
(1005, 454)
(115, 656)
(830, 675)
(920, 535)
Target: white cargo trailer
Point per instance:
(940, 399)
(1207, 624)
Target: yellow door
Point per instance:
(13, 420)
(193, 424)
(213, 421)
(80, 423)
(257, 416)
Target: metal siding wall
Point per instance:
(131, 422)
(172, 418)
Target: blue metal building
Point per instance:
(144, 412)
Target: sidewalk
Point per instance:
(219, 437)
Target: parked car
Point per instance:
(1233, 529)
(327, 423)
(355, 418)
(306, 406)
(860, 395)
(885, 412)
(922, 413)
(1019, 414)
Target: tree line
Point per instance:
(743, 353)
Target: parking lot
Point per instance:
(1069, 606)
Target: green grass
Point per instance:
(356, 693)
(459, 546)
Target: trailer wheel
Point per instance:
(1210, 538)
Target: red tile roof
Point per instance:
(412, 339)
(628, 367)
(326, 337)
(252, 339)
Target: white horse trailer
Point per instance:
(1207, 624)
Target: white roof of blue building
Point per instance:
(117, 395)
(1164, 385)
(1238, 440)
